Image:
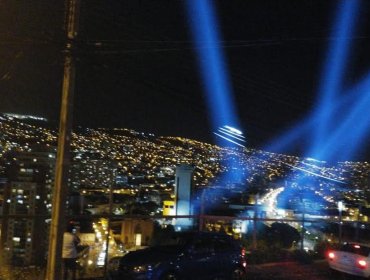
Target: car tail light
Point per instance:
(331, 256)
(243, 252)
(362, 263)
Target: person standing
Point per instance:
(69, 253)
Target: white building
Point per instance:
(183, 195)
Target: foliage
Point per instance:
(266, 255)
(278, 235)
(321, 248)
(161, 233)
(273, 244)
(303, 256)
(283, 234)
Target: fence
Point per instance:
(104, 238)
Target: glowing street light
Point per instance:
(340, 209)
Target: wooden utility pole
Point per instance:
(54, 264)
(254, 234)
(303, 229)
(201, 210)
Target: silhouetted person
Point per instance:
(69, 253)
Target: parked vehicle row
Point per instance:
(185, 255)
(209, 255)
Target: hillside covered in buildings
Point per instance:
(145, 158)
(125, 172)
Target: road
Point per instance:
(318, 270)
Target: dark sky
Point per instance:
(144, 73)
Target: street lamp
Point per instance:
(340, 209)
(358, 221)
(303, 229)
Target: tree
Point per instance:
(161, 233)
(282, 234)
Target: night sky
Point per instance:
(144, 74)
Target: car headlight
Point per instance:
(142, 268)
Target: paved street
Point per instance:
(279, 271)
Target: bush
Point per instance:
(302, 257)
(320, 249)
(269, 255)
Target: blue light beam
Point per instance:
(214, 71)
(333, 72)
(354, 127)
(303, 128)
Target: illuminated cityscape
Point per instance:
(143, 155)
(190, 139)
(140, 170)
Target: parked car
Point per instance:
(185, 255)
(351, 258)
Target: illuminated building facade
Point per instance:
(168, 208)
(27, 203)
(136, 232)
(89, 171)
(183, 194)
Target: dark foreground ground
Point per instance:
(318, 270)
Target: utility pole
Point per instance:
(303, 229)
(255, 216)
(201, 210)
(358, 222)
(113, 180)
(54, 265)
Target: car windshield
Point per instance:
(356, 249)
